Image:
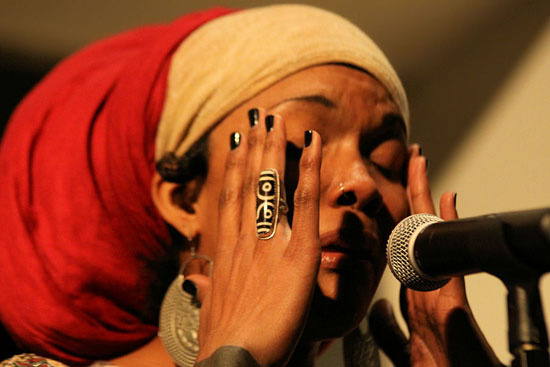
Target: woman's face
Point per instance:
(364, 155)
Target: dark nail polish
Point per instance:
(419, 150)
(454, 199)
(235, 140)
(253, 117)
(269, 121)
(308, 135)
(189, 287)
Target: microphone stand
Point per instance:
(527, 334)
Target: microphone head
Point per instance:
(401, 257)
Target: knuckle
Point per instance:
(245, 237)
(308, 164)
(254, 139)
(418, 195)
(302, 197)
(229, 195)
(234, 161)
(238, 251)
(275, 144)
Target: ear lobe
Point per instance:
(176, 203)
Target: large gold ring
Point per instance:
(270, 203)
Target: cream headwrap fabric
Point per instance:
(230, 59)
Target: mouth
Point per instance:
(343, 249)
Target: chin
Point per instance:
(340, 301)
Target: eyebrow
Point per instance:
(315, 98)
(395, 123)
(392, 127)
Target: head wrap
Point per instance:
(267, 44)
(77, 222)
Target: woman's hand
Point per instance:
(260, 292)
(443, 331)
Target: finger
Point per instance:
(244, 246)
(305, 224)
(230, 203)
(447, 206)
(274, 155)
(245, 242)
(230, 200)
(297, 271)
(387, 333)
(418, 188)
(240, 264)
(414, 150)
(256, 141)
(455, 290)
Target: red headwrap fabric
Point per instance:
(77, 223)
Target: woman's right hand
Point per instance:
(443, 331)
(260, 292)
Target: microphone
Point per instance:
(424, 251)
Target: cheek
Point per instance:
(396, 208)
(395, 199)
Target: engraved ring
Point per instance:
(270, 203)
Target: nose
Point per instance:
(354, 187)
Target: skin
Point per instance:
(289, 292)
(360, 106)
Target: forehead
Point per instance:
(338, 82)
(357, 96)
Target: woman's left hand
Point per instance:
(443, 331)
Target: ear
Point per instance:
(177, 204)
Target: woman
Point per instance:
(213, 102)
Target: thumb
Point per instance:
(387, 333)
(196, 285)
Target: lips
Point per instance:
(342, 247)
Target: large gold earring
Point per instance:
(179, 317)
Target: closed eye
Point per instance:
(392, 127)
(385, 149)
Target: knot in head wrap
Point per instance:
(77, 222)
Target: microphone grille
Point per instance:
(400, 257)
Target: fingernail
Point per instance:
(269, 121)
(419, 150)
(235, 140)
(308, 135)
(189, 287)
(253, 117)
(454, 199)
